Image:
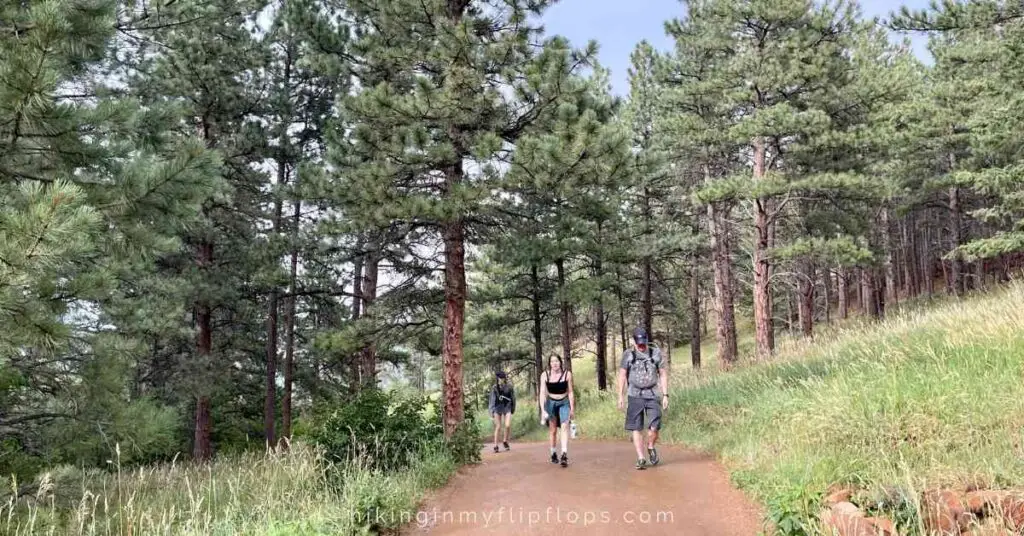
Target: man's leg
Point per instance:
(635, 424)
(653, 427)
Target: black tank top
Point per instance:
(560, 387)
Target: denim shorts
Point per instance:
(558, 410)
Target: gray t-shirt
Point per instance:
(633, 391)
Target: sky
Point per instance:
(618, 25)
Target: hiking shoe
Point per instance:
(653, 455)
(506, 446)
(554, 458)
(565, 460)
(495, 448)
(641, 464)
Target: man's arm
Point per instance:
(663, 380)
(620, 380)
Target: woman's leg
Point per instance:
(497, 426)
(508, 425)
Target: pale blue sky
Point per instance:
(618, 25)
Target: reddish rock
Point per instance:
(943, 513)
(845, 519)
(1011, 508)
(838, 496)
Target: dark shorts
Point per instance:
(502, 409)
(639, 408)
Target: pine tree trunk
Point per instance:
(601, 325)
(827, 281)
(889, 261)
(538, 341)
(762, 266)
(868, 293)
(956, 277)
(269, 398)
(647, 300)
(622, 309)
(289, 334)
(357, 307)
(565, 316)
(806, 302)
(725, 332)
(910, 256)
(844, 294)
(454, 236)
(695, 317)
(368, 354)
(202, 448)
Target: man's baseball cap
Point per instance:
(640, 336)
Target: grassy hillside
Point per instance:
(930, 397)
(292, 493)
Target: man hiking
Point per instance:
(646, 379)
(502, 404)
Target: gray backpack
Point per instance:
(643, 371)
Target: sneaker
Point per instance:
(506, 446)
(653, 455)
(641, 464)
(565, 460)
(554, 458)
(495, 448)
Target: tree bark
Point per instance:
(646, 299)
(601, 325)
(202, 449)
(565, 316)
(910, 256)
(695, 317)
(806, 300)
(725, 332)
(273, 308)
(538, 341)
(890, 261)
(956, 278)
(289, 334)
(368, 354)
(454, 236)
(622, 309)
(868, 293)
(762, 265)
(844, 294)
(827, 280)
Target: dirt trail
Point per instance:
(600, 493)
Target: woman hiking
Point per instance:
(502, 404)
(557, 405)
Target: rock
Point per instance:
(845, 519)
(943, 513)
(1011, 508)
(838, 496)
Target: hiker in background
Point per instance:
(502, 404)
(557, 405)
(646, 382)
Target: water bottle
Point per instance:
(572, 429)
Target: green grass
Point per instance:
(930, 397)
(292, 493)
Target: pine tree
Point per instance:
(433, 116)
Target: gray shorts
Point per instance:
(639, 408)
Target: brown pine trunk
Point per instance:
(725, 332)
(646, 299)
(622, 309)
(762, 266)
(601, 325)
(269, 399)
(368, 355)
(956, 276)
(827, 281)
(565, 316)
(289, 333)
(889, 260)
(202, 448)
(868, 293)
(695, 317)
(844, 294)
(454, 235)
(806, 300)
(910, 256)
(538, 341)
